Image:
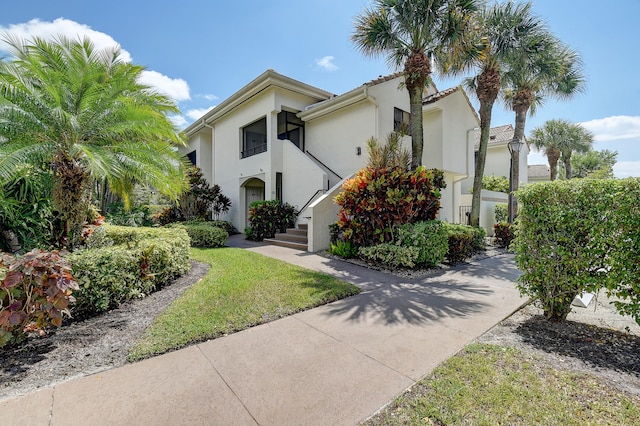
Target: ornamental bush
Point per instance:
(503, 233)
(501, 212)
(205, 234)
(376, 200)
(430, 238)
(140, 261)
(35, 293)
(464, 241)
(266, 218)
(390, 255)
(577, 236)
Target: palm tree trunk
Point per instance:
(486, 109)
(567, 166)
(415, 102)
(552, 156)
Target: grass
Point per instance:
(242, 289)
(491, 385)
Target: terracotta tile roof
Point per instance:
(383, 79)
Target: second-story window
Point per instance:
(254, 138)
(401, 121)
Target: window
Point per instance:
(401, 120)
(290, 127)
(192, 157)
(254, 138)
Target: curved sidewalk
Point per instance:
(335, 364)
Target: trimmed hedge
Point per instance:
(578, 236)
(429, 237)
(141, 261)
(204, 234)
(390, 255)
(464, 241)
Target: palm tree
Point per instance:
(408, 32)
(560, 138)
(80, 114)
(505, 29)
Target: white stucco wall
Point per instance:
(301, 177)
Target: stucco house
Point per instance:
(279, 138)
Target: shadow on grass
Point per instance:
(414, 303)
(596, 346)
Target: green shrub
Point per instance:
(35, 293)
(135, 216)
(576, 236)
(504, 234)
(376, 200)
(224, 224)
(344, 249)
(495, 183)
(140, 261)
(501, 212)
(430, 238)
(205, 234)
(266, 218)
(390, 255)
(464, 241)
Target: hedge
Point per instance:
(578, 236)
(204, 234)
(141, 261)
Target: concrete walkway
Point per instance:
(335, 364)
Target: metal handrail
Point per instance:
(310, 201)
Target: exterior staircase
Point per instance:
(295, 238)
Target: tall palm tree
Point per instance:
(81, 114)
(554, 71)
(560, 138)
(504, 29)
(408, 32)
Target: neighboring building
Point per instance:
(279, 138)
(539, 173)
(498, 163)
(498, 160)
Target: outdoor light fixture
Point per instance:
(358, 150)
(515, 145)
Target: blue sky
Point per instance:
(200, 52)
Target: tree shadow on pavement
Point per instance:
(414, 303)
(600, 347)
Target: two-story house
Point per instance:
(279, 138)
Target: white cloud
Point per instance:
(178, 121)
(614, 128)
(61, 26)
(177, 89)
(624, 169)
(195, 114)
(210, 97)
(326, 63)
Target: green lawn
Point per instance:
(493, 385)
(242, 289)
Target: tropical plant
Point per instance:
(552, 71)
(504, 30)
(81, 113)
(560, 138)
(408, 32)
(390, 154)
(495, 183)
(594, 164)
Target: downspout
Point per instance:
(213, 152)
(375, 114)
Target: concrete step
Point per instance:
(289, 244)
(296, 231)
(296, 238)
(303, 226)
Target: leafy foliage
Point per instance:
(266, 218)
(81, 114)
(504, 233)
(390, 154)
(26, 214)
(501, 212)
(344, 249)
(495, 183)
(594, 164)
(374, 201)
(430, 238)
(577, 236)
(464, 241)
(35, 292)
(205, 234)
(139, 261)
(135, 216)
(390, 255)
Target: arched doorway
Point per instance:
(253, 191)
